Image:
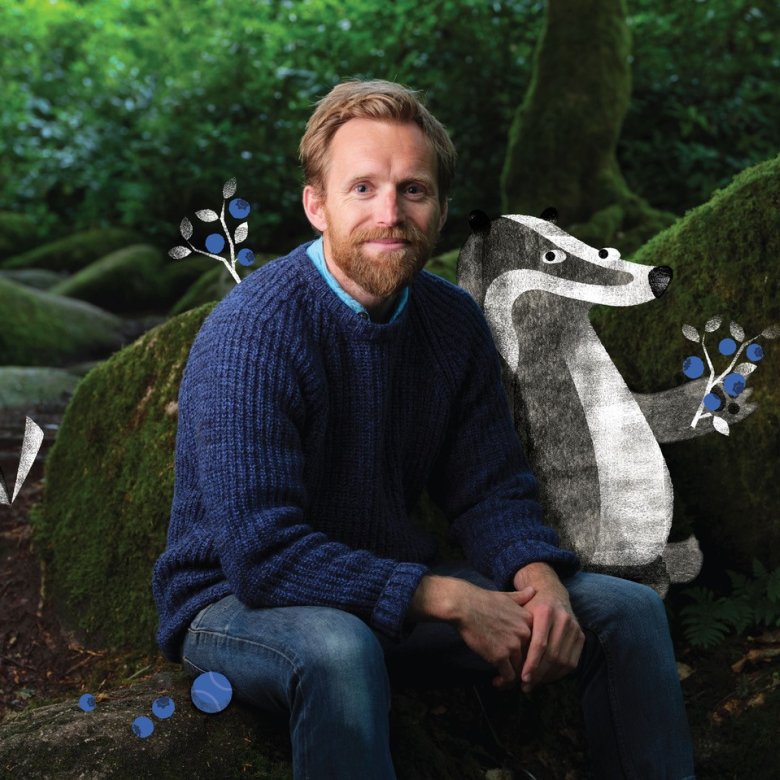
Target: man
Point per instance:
(320, 398)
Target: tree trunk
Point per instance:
(563, 138)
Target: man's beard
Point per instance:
(385, 275)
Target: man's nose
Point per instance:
(388, 208)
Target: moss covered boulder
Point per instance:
(28, 388)
(18, 233)
(41, 329)
(110, 486)
(132, 279)
(725, 256)
(73, 252)
(39, 278)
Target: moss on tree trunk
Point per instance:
(564, 135)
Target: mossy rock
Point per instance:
(132, 279)
(39, 278)
(110, 484)
(445, 265)
(26, 388)
(73, 252)
(724, 255)
(41, 329)
(214, 284)
(18, 233)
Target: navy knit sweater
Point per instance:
(306, 436)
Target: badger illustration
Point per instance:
(604, 484)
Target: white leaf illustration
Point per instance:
(691, 333)
(185, 228)
(737, 331)
(229, 188)
(721, 426)
(207, 215)
(745, 368)
(713, 324)
(772, 332)
(178, 252)
(242, 231)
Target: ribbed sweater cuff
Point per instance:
(393, 603)
(515, 557)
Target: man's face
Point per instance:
(380, 214)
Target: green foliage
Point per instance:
(754, 602)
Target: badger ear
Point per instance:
(479, 222)
(550, 214)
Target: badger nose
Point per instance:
(660, 277)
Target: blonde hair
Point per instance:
(376, 99)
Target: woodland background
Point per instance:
(635, 118)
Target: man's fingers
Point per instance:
(506, 674)
(522, 597)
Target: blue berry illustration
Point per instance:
(727, 346)
(163, 707)
(239, 208)
(87, 702)
(755, 352)
(143, 726)
(211, 692)
(246, 257)
(215, 243)
(734, 384)
(693, 367)
(711, 402)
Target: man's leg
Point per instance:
(634, 711)
(322, 667)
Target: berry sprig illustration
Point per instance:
(730, 382)
(215, 243)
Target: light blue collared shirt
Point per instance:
(317, 256)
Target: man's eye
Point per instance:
(361, 188)
(415, 189)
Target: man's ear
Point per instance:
(443, 217)
(314, 206)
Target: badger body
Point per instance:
(604, 484)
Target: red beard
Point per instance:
(385, 275)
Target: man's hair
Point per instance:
(380, 100)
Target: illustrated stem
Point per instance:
(227, 265)
(230, 242)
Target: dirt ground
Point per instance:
(732, 692)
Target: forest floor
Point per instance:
(732, 693)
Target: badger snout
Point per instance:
(659, 279)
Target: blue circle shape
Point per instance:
(755, 352)
(215, 243)
(87, 702)
(239, 208)
(246, 257)
(727, 346)
(734, 384)
(142, 726)
(163, 707)
(211, 692)
(693, 367)
(711, 402)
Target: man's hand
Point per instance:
(493, 624)
(556, 637)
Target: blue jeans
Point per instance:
(327, 671)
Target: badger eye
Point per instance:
(609, 252)
(553, 256)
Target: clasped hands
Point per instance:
(530, 635)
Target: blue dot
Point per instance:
(87, 702)
(755, 352)
(239, 208)
(246, 257)
(142, 726)
(693, 367)
(215, 243)
(163, 707)
(211, 692)
(711, 401)
(734, 384)
(727, 347)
